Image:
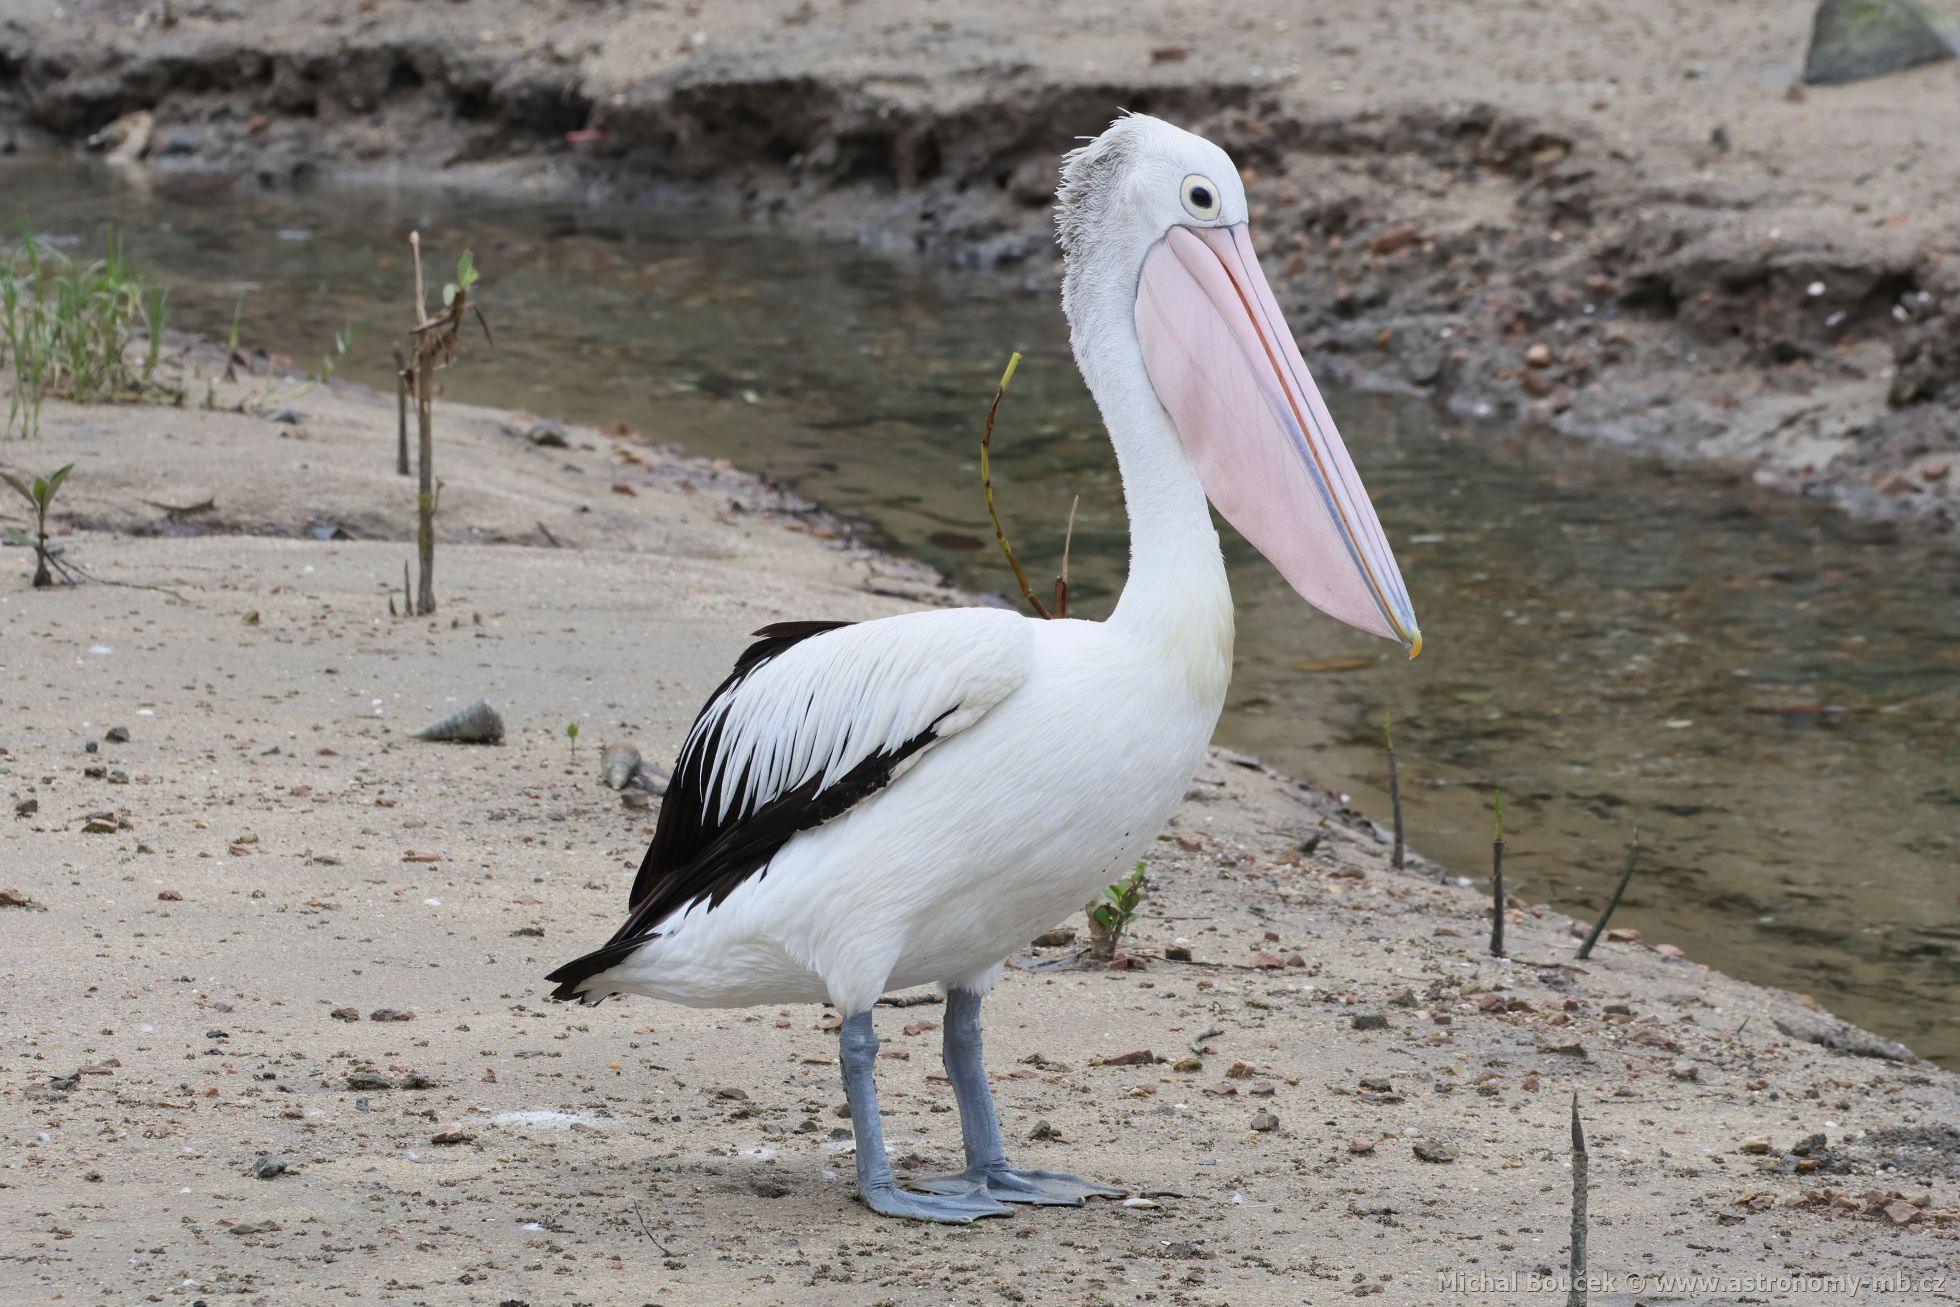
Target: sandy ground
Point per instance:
(203, 983)
(1625, 221)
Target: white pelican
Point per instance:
(862, 808)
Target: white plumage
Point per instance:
(1061, 748)
(908, 801)
(825, 705)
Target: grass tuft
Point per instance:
(66, 330)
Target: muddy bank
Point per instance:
(276, 966)
(1625, 223)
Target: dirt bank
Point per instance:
(1314, 1080)
(1619, 220)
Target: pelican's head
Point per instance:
(1161, 273)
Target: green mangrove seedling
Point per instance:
(1111, 915)
(39, 492)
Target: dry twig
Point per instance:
(1599, 927)
(987, 485)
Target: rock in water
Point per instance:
(1851, 40)
(619, 764)
(476, 724)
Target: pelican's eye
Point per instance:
(1200, 198)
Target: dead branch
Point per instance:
(1599, 927)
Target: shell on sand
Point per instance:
(476, 724)
(619, 764)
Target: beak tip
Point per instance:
(1415, 645)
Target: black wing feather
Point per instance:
(688, 821)
(698, 854)
(742, 850)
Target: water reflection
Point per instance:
(1769, 692)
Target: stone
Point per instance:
(1851, 40)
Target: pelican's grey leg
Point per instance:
(858, 1051)
(987, 1170)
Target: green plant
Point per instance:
(272, 396)
(38, 492)
(66, 330)
(571, 733)
(466, 277)
(1111, 915)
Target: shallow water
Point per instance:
(1769, 692)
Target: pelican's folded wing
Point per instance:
(815, 718)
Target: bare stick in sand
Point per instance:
(1599, 927)
(1575, 1296)
(1497, 881)
(1394, 792)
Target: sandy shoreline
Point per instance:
(1622, 223)
(196, 989)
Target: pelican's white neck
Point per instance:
(1176, 591)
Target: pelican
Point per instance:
(872, 806)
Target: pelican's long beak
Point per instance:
(1226, 369)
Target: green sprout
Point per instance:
(465, 278)
(1111, 916)
(571, 733)
(39, 492)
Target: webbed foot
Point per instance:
(1004, 1184)
(950, 1206)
